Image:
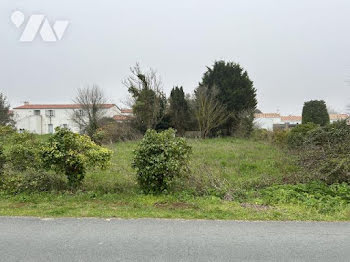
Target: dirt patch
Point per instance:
(176, 205)
(255, 206)
(18, 205)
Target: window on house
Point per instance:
(37, 112)
(50, 128)
(50, 113)
(65, 126)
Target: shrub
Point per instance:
(118, 132)
(32, 181)
(326, 153)
(23, 152)
(280, 137)
(259, 134)
(298, 134)
(315, 111)
(5, 132)
(71, 154)
(159, 158)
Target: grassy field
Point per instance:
(234, 163)
(225, 178)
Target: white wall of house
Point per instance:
(43, 121)
(267, 123)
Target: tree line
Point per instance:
(223, 103)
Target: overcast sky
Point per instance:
(293, 50)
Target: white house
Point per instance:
(268, 120)
(43, 119)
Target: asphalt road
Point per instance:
(32, 239)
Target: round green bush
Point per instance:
(72, 154)
(159, 158)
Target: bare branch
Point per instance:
(210, 113)
(91, 101)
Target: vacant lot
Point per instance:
(228, 179)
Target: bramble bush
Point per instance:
(327, 153)
(298, 134)
(71, 154)
(159, 158)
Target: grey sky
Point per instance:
(294, 50)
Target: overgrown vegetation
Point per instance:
(320, 196)
(71, 154)
(159, 158)
(326, 153)
(228, 178)
(322, 151)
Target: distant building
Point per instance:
(126, 114)
(270, 120)
(43, 119)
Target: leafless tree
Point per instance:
(332, 110)
(210, 113)
(91, 109)
(147, 97)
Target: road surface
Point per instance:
(33, 239)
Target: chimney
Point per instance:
(26, 103)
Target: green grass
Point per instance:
(219, 167)
(141, 206)
(234, 163)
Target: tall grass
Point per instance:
(217, 166)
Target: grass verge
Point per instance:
(168, 206)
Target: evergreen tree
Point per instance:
(232, 87)
(315, 111)
(179, 110)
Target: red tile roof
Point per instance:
(338, 116)
(291, 118)
(58, 106)
(126, 111)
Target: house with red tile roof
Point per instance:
(269, 120)
(44, 118)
